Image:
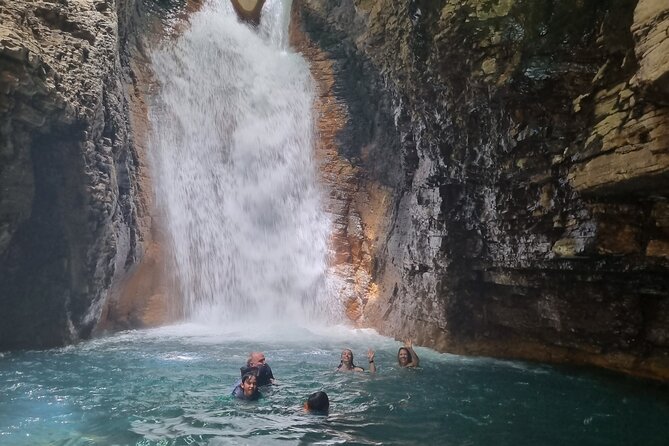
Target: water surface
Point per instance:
(171, 386)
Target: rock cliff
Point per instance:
(499, 173)
(73, 216)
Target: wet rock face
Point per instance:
(67, 167)
(345, 139)
(525, 144)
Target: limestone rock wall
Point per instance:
(352, 196)
(522, 150)
(69, 179)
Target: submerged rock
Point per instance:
(523, 151)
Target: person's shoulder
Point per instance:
(237, 392)
(358, 369)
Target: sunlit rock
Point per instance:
(650, 27)
(248, 10)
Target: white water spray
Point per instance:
(232, 152)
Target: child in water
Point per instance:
(318, 402)
(248, 388)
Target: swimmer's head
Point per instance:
(317, 402)
(403, 356)
(249, 383)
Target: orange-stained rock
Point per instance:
(353, 310)
(357, 205)
(658, 248)
(146, 295)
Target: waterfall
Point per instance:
(232, 156)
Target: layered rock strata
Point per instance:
(73, 220)
(522, 150)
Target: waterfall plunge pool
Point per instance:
(171, 386)
(232, 146)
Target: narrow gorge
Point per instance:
(496, 172)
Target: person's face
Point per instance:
(346, 356)
(257, 359)
(403, 357)
(249, 386)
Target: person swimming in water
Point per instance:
(406, 356)
(318, 402)
(247, 389)
(256, 363)
(347, 365)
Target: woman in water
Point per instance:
(347, 365)
(406, 357)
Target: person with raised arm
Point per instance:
(406, 356)
(347, 365)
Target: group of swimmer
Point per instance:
(257, 373)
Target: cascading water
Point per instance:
(232, 150)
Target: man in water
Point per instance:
(248, 388)
(256, 364)
(318, 402)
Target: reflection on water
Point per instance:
(171, 387)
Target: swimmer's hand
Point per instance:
(370, 357)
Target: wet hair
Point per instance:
(247, 375)
(408, 353)
(352, 363)
(318, 402)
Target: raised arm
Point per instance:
(370, 358)
(415, 362)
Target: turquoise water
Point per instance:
(171, 387)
